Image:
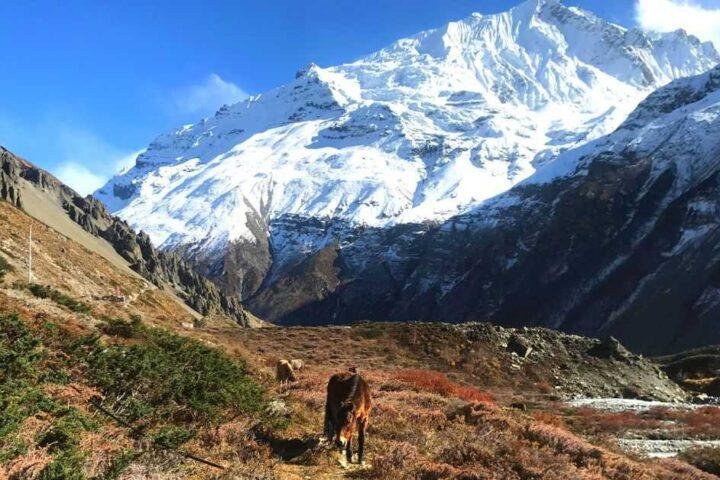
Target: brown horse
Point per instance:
(347, 408)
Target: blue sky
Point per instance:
(87, 83)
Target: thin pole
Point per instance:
(30, 257)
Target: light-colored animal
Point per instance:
(297, 364)
(285, 372)
(347, 408)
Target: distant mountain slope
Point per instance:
(617, 237)
(86, 221)
(420, 131)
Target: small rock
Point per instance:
(520, 346)
(610, 348)
(278, 407)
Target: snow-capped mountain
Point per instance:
(425, 129)
(617, 237)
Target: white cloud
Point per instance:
(125, 163)
(668, 15)
(86, 160)
(79, 178)
(207, 96)
(83, 179)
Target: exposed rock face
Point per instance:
(618, 237)
(519, 346)
(611, 348)
(418, 132)
(306, 286)
(561, 360)
(161, 268)
(696, 370)
(241, 267)
(374, 190)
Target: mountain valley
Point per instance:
(503, 232)
(502, 168)
(97, 386)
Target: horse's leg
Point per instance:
(348, 452)
(328, 427)
(361, 440)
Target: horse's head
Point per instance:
(346, 424)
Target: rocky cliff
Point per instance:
(163, 269)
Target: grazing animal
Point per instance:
(285, 372)
(347, 408)
(297, 364)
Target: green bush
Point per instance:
(12, 450)
(66, 429)
(166, 377)
(172, 436)
(164, 384)
(66, 465)
(40, 291)
(46, 291)
(26, 365)
(117, 327)
(19, 350)
(18, 401)
(20, 396)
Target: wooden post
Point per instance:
(30, 257)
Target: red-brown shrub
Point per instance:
(438, 383)
(703, 421)
(593, 421)
(549, 418)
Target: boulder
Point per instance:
(610, 348)
(519, 346)
(285, 372)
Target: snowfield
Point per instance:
(422, 130)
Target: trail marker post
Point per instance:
(30, 257)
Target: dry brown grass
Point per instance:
(428, 432)
(700, 423)
(28, 465)
(596, 422)
(433, 412)
(421, 426)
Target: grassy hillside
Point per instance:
(87, 405)
(95, 387)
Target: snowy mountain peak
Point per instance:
(530, 8)
(421, 130)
